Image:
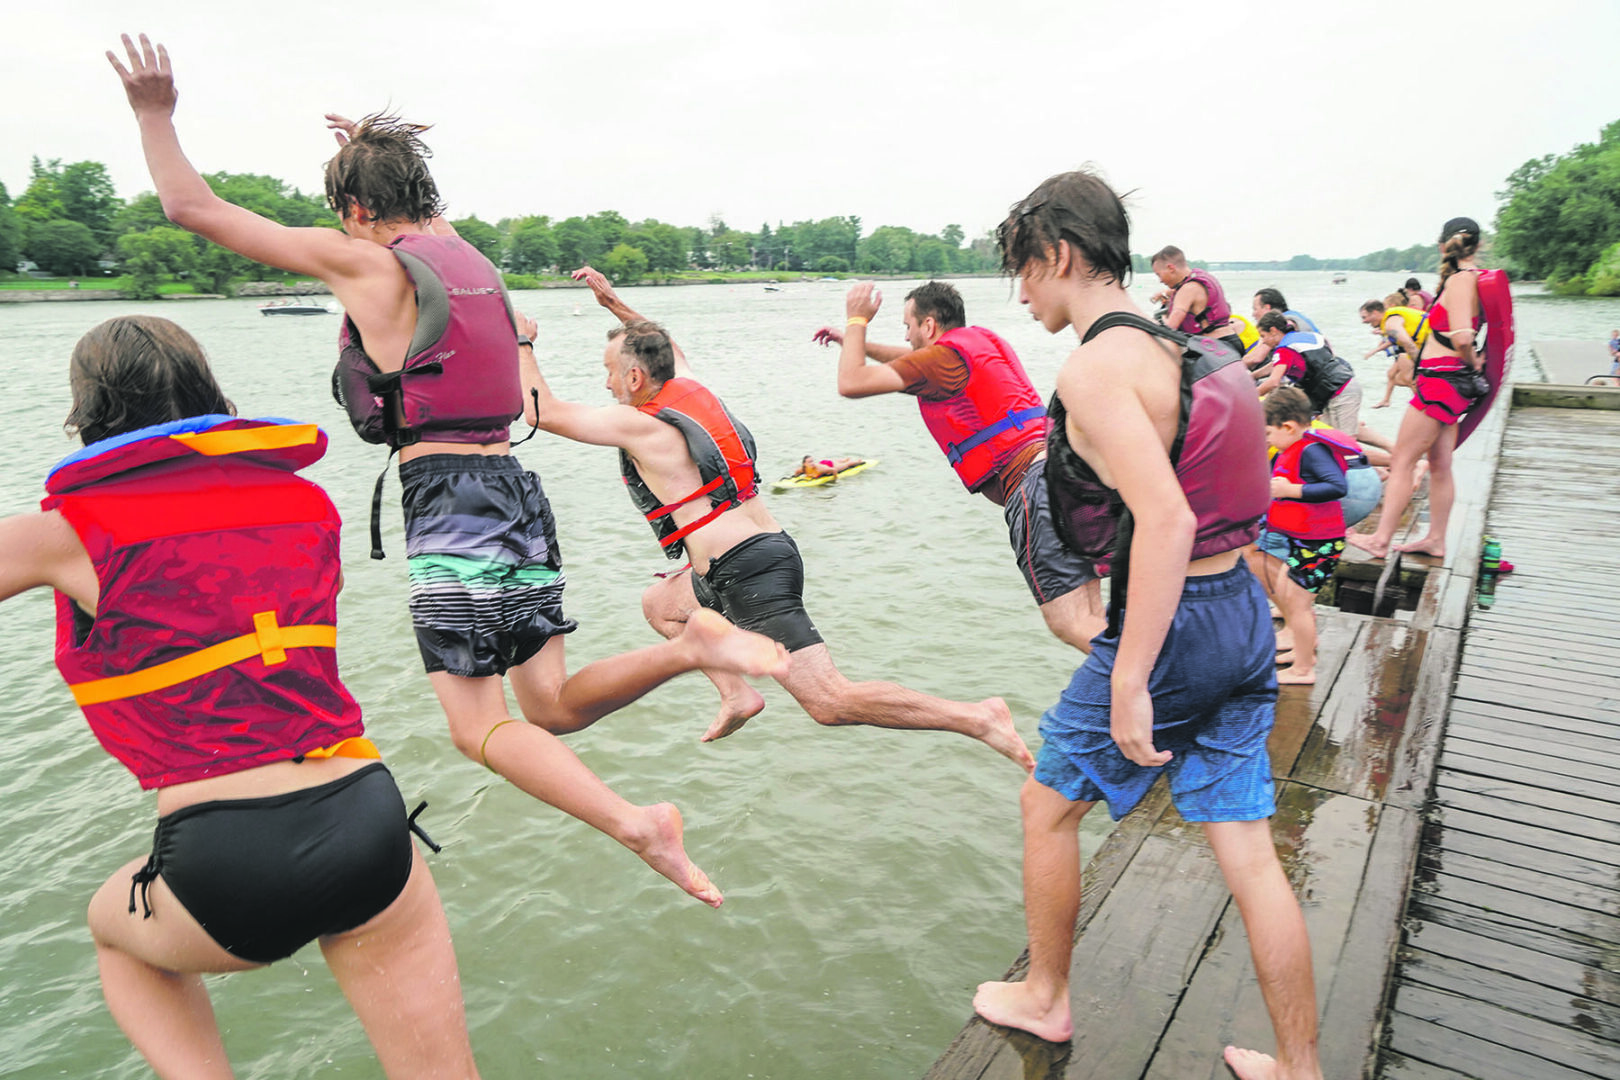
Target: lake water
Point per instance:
(872, 877)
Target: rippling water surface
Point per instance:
(872, 877)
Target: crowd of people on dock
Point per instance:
(1147, 464)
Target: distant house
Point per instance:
(31, 268)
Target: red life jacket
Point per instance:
(212, 649)
(1307, 520)
(720, 446)
(460, 380)
(994, 416)
(1217, 312)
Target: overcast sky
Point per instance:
(1247, 130)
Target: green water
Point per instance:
(872, 877)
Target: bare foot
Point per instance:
(720, 646)
(735, 711)
(1253, 1065)
(1381, 405)
(663, 849)
(1369, 543)
(1297, 676)
(1285, 658)
(1429, 545)
(1000, 735)
(1011, 1004)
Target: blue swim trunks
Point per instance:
(1214, 693)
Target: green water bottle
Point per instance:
(1486, 593)
(1490, 559)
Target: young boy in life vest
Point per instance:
(1182, 682)
(1303, 538)
(486, 579)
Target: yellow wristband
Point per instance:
(856, 320)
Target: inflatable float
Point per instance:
(789, 483)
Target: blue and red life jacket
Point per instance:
(1325, 374)
(212, 647)
(1217, 312)
(995, 415)
(1310, 520)
(721, 447)
(460, 380)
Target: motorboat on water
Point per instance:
(1340, 278)
(299, 306)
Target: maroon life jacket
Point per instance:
(460, 381)
(1218, 454)
(721, 447)
(996, 413)
(1216, 312)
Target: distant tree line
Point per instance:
(1560, 218)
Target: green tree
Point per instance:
(481, 235)
(952, 235)
(63, 247)
(578, 243)
(1560, 214)
(887, 250)
(151, 254)
(531, 246)
(732, 249)
(41, 200)
(625, 265)
(11, 234)
(144, 211)
(664, 245)
(88, 197)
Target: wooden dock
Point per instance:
(1161, 977)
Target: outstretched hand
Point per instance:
(526, 326)
(827, 336)
(863, 301)
(148, 81)
(599, 284)
(343, 128)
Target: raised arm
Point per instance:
(602, 289)
(189, 202)
(1107, 412)
(857, 378)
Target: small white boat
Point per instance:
(297, 307)
(773, 288)
(1340, 278)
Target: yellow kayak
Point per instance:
(788, 483)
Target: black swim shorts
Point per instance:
(1050, 569)
(486, 575)
(759, 586)
(267, 876)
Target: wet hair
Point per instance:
(1373, 305)
(1459, 239)
(1272, 298)
(383, 167)
(1413, 285)
(1078, 207)
(1170, 254)
(1288, 403)
(1395, 299)
(646, 346)
(135, 371)
(1272, 320)
(940, 301)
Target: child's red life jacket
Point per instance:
(1307, 520)
(212, 648)
(996, 413)
(720, 445)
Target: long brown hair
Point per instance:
(1459, 240)
(135, 371)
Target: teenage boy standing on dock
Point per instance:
(1183, 683)
(486, 580)
(980, 407)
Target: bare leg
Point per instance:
(1040, 1004)
(149, 977)
(1418, 433)
(668, 605)
(832, 699)
(1077, 616)
(1366, 436)
(399, 973)
(1442, 495)
(1279, 945)
(536, 761)
(1299, 620)
(563, 703)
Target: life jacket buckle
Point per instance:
(271, 649)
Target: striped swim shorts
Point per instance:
(486, 575)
